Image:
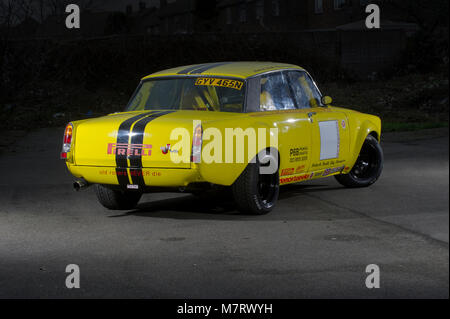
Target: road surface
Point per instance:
(317, 243)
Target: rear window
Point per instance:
(192, 93)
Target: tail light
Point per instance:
(197, 144)
(67, 141)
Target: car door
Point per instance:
(294, 132)
(329, 127)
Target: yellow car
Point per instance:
(250, 126)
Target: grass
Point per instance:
(406, 102)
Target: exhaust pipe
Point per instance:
(80, 184)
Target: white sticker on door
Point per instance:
(329, 140)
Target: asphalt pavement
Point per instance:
(316, 243)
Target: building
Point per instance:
(223, 16)
(293, 15)
(287, 15)
(144, 21)
(328, 14)
(177, 17)
(260, 16)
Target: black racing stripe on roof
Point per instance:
(208, 67)
(189, 69)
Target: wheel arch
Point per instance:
(227, 173)
(214, 172)
(374, 134)
(365, 128)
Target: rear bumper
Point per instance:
(160, 177)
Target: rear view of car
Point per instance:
(184, 128)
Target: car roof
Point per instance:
(241, 70)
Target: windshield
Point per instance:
(192, 93)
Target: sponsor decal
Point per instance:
(287, 171)
(300, 169)
(129, 149)
(298, 151)
(166, 149)
(346, 169)
(329, 171)
(136, 172)
(133, 172)
(298, 154)
(293, 179)
(327, 163)
(132, 186)
(233, 84)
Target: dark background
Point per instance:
(321, 236)
(50, 75)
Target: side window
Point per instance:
(275, 93)
(305, 92)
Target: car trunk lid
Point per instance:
(136, 139)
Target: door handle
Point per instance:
(310, 115)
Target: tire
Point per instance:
(256, 193)
(368, 166)
(115, 199)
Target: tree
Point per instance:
(428, 14)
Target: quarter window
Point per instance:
(275, 94)
(305, 91)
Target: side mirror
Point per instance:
(326, 100)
